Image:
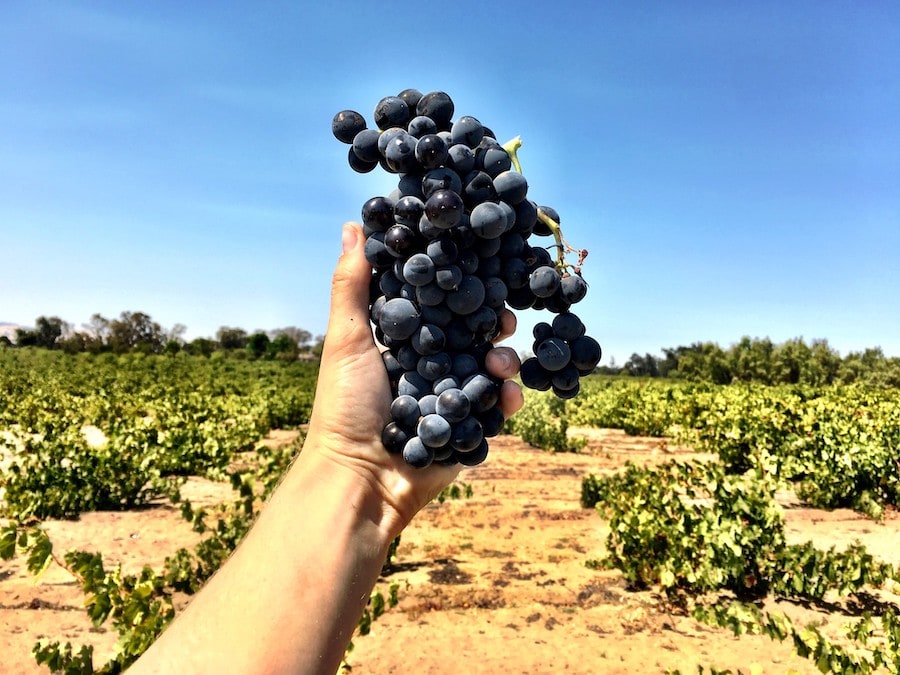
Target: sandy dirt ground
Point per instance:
(496, 583)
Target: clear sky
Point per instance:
(733, 168)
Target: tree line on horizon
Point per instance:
(138, 332)
(748, 360)
(761, 360)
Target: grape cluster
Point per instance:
(450, 251)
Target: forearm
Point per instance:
(290, 597)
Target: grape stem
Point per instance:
(512, 149)
(562, 246)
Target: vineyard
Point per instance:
(688, 530)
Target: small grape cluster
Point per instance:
(450, 252)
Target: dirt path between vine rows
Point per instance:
(495, 583)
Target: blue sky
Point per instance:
(733, 168)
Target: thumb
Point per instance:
(348, 323)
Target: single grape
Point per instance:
(431, 151)
(534, 375)
(428, 339)
(586, 354)
(438, 106)
(511, 186)
(544, 281)
(453, 405)
(421, 126)
(394, 437)
(488, 220)
(573, 288)
(417, 454)
(434, 366)
(467, 131)
(405, 411)
(473, 458)
(466, 435)
(428, 405)
(346, 124)
(433, 430)
(553, 354)
(468, 297)
(482, 391)
(567, 326)
(444, 209)
(391, 111)
(378, 214)
(399, 318)
(418, 269)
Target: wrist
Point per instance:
(350, 496)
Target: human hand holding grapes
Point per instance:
(353, 396)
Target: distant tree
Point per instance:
(704, 361)
(5, 341)
(75, 342)
(200, 347)
(641, 366)
(751, 360)
(26, 337)
(49, 330)
(231, 338)
(258, 344)
(135, 330)
(283, 347)
(824, 364)
(791, 359)
(299, 336)
(668, 365)
(96, 334)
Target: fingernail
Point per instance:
(348, 238)
(503, 356)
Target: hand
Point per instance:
(353, 396)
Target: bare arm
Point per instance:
(290, 597)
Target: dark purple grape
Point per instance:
(567, 326)
(431, 151)
(394, 437)
(467, 131)
(434, 430)
(553, 354)
(399, 318)
(378, 214)
(474, 457)
(417, 454)
(444, 209)
(391, 111)
(421, 126)
(534, 375)
(346, 124)
(586, 354)
(511, 187)
(438, 106)
(405, 411)
(544, 281)
(453, 405)
(573, 288)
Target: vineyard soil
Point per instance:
(493, 583)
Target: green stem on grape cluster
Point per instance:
(561, 246)
(512, 149)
